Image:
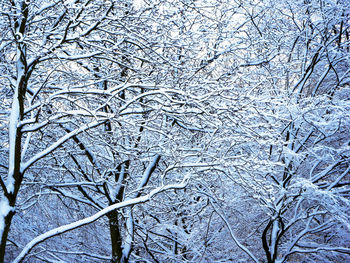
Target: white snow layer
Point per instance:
(5, 208)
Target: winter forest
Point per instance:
(175, 131)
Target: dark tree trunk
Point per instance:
(8, 219)
(116, 238)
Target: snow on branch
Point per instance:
(59, 142)
(66, 57)
(343, 250)
(147, 174)
(65, 228)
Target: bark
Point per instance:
(114, 228)
(265, 243)
(7, 220)
(116, 238)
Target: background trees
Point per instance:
(298, 116)
(244, 103)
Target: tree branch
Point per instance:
(65, 228)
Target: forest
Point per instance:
(151, 131)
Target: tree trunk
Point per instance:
(7, 223)
(15, 176)
(116, 238)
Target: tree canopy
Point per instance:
(174, 131)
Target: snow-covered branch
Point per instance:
(58, 143)
(93, 218)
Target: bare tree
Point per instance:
(113, 104)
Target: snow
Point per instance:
(5, 208)
(147, 174)
(79, 56)
(45, 6)
(274, 234)
(138, 4)
(14, 120)
(130, 232)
